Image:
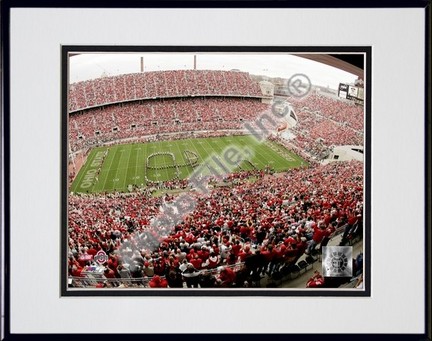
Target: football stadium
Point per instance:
(192, 178)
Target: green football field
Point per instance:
(115, 168)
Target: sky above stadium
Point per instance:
(90, 66)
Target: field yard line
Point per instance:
(236, 143)
(145, 160)
(117, 176)
(173, 162)
(242, 142)
(281, 149)
(193, 142)
(122, 168)
(131, 171)
(262, 157)
(83, 171)
(199, 152)
(215, 152)
(117, 148)
(136, 165)
(127, 164)
(259, 155)
(196, 149)
(183, 160)
(219, 154)
(96, 187)
(178, 158)
(206, 150)
(282, 163)
(160, 171)
(141, 168)
(161, 143)
(275, 153)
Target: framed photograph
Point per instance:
(208, 142)
(160, 157)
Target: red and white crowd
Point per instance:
(160, 84)
(264, 225)
(122, 121)
(324, 123)
(152, 117)
(343, 112)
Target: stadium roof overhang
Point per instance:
(352, 63)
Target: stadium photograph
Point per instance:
(215, 172)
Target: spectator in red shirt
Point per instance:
(316, 281)
(196, 262)
(317, 237)
(227, 277)
(235, 249)
(158, 282)
(328, 234)
(212, 261)
(76, 271)
(278, 254)
(245, 253)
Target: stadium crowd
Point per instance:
(342, 112)
(324, 123)
(263, 225)
(317, 135)
(240, 230)
(152, 117)
(314, 133)
(160, 84)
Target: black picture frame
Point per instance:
(7, 6)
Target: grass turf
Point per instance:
(114, 168)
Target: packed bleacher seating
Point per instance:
(325, 122)
(151, 117)
(342, 112)
(315, 134)
(160, 84)
(234, 234)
